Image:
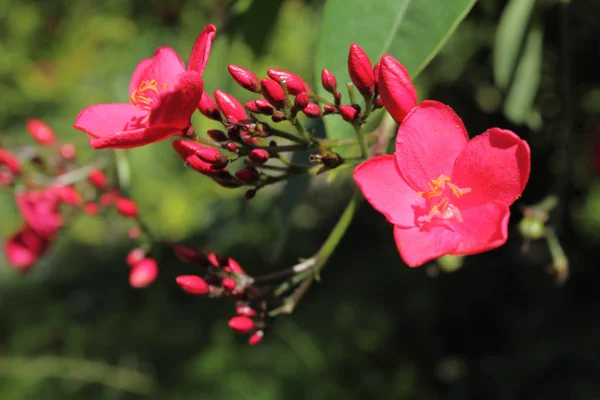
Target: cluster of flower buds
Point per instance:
(50, 187)
(224, 277)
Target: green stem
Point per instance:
(207, 142)
(288, 136)
(320, 99)
(362, 143)
(560, 262)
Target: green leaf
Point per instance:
(510, 40)
(524, 87)
(413, 31)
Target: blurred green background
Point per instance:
(497, 328)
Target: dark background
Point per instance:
(496, 327)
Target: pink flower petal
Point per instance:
(143, 72)
(419, 245)
(176, 105)
(201, 50)
(495, 165)
(134, 138)
(484, 228)
(428, 142)
(102, 120)
(387, 191)
(166, 65)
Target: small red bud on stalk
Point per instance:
(301, 101)
(126, 207)
(67, 195)
(67, 151)
(143, 273)
(278, 116)
(207, 107)
(135, 256)
(189, 255)
(251, 106)
(187, 148)
(395, 88)
(245, 310)
(329, 109)
(10, 161)
(250, 194)
(312, 110)
(225, 179)
(233, 266)
(232, 147)
(361, 70)
(107, 198)
(97, 178)
(244, 78)
(216, 260)
(294, 84)
(134, 232)
(256, 338)
(258, 156)
(262, 106)
(23, 248)
(193, 284)
(328, 80)
(91, 208)
(241, 324)
(228, 284)
(230, 106)
(247, 175)
(376, 74)
(217, 135)
(378, 103)
(273, 92)
(349, 113)
(40, 132)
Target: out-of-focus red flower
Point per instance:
(241, 324)
(443, 193)
(395, 88)
(40, 132)
(39, 209)
(143, 273)
(256, 338)
(67, 194)
(135, 256)
(163, 97)
(193, 284)
(91, 208)
(98, 178)
(126, 207)
(24, 247)
(9, 166)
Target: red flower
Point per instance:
(443, 193)
(39, 209)
(163, 97)
(24, 248)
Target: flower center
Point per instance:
(439, 196)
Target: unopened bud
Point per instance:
(193, 284)
(361, 70)
(189, 255)
(278, 116)
(134, 232)
(135, 256)
(376, 73)
(301, 101)
(67, 151)
(256, 338)
(258, 156)
(228, 284)
(250, 194)
(241, 324)
(225, 179)
(247, 175)
(9, 160)
(395, 88)
(294, 84)
(230, 106)
(328, 80)
(217, 135)
(273, 92)
(143, 273)
(233, 266)
(40, 132)
(97, 178)
(187, 148)
(67, 194)
(312, 110)
(244, 78)
(378, 103)
(91, 208)
(349, 113)
(207, 107)
(245, 310)
(126, 207)
(329, 109)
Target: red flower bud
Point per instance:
(217, 135)
(67, 194)
(301, 101)
(187, 149)
(251, 106)
(294, 84)
(256, 338)
(396, 89)
(40, 132)
(10, 161)
(106, 199)
(91, 208)
(216, 260)
(207, 107)
(233, 266)
(312, 110)
(230, 106)
(378, 103)
(245, 310)
(258, 156)
(126, 207)
(225, 179)
(228, 284)
(232, 147)
(244, 78)
(134, 232)
(349, 113)
(241, 324)
(67, 151)
(361, 70)
(247, 175)
(273, 92)
(143, 273)
(264, 107)
(193, 284)
(189, 255)
(135, 256)
(329, 109)
(328, 80)
(97, 178)
(23, 248)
